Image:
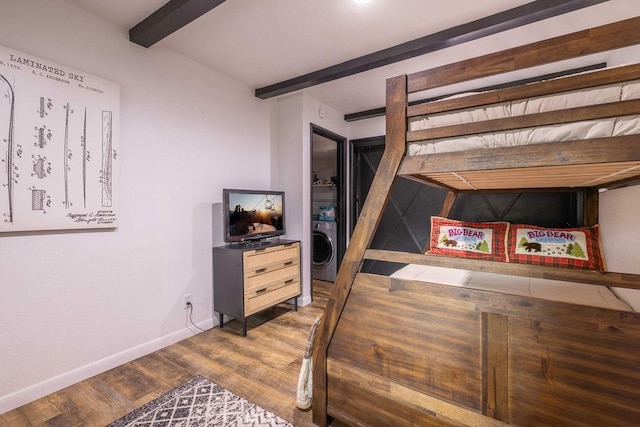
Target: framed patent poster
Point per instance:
(58, 146)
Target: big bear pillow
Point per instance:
(557, 247)
(478, 240)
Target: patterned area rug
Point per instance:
(199, 402)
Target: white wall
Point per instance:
(620, 232)
(75, 304)
(367, 128)
(296, 113)
(621, 235)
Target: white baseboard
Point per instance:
(36, 391)
(306, 300)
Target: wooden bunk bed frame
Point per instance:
(400, 352)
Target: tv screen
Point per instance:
(252, 214)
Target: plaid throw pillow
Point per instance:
(478, 240)
(556, 247)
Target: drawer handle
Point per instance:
(261, 270)
(259, 291)
(288, 281)
(288, 263)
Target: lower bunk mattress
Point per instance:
(553, 290)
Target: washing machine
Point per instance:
(325, 263)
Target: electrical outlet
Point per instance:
(187, 300)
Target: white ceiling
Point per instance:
(262, 42)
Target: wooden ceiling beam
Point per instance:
(174, 15)
(531, 12)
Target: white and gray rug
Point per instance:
(199, 402)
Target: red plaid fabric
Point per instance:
(476, 240)
(540, 252)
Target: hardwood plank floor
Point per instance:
(262, 367)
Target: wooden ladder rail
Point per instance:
(363, 233)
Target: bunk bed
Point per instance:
(448, 340)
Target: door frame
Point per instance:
(341, 188)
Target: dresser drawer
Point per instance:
(271, 296)
(265, 280)
(262, 260)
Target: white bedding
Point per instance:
(564, 132)
(555, 290)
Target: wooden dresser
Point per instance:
(250, 277)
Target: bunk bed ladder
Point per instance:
(361, 239)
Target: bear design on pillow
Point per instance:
(450, 242)
(532, 246)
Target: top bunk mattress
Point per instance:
(553, 290)
(615, 126)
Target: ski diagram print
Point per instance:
(59, 146)
(7, 113)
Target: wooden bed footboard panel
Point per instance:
(580, 375)
(408, 351)
(363, 398)
(358, 393)
(394, 336)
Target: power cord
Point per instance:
(189, 320)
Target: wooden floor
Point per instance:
(262, 367)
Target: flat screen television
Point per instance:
(252, 214)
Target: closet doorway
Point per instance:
(328, 203)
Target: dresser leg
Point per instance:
(295, 303)
(221, 320)
(244, 327)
